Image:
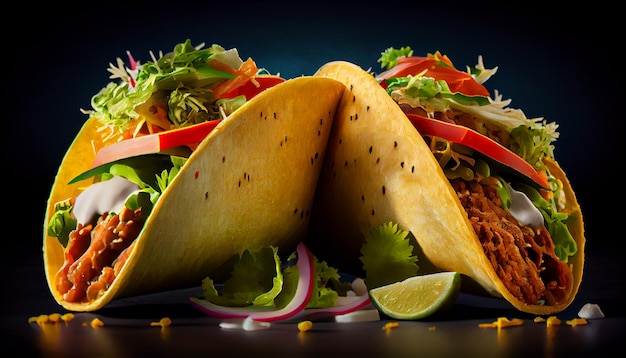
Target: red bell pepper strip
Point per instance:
(483, 144)
(458, 81)
(154, 143)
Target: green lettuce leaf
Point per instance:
(256, 280)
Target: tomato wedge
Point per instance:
(479, 142)
(458, 81)
(154, 143)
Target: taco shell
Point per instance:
(249, 184)
(379, 169)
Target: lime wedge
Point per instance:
(418, 296)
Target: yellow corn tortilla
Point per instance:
(378, 169)
(249, 184)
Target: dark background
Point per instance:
(560, 64)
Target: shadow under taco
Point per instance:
(469, 211)
(189, 160)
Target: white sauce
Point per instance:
(106, 196)
(590, 311)
(523, 209)
(246, 324)
(362, 315)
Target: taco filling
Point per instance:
(473, 181)
(495, 160)
(180, 91)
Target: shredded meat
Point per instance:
(95, 255)
(523, 258)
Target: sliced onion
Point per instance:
(301, 298)
(344, 305)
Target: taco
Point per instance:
(188, 160)
(512, 232)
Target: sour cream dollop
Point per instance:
(523, 209)
(106, 196)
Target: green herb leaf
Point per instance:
(323, 295)
(387, 256)
(389, 58)
(62, 222)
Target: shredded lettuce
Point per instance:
(180, 80)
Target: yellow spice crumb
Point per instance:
(432, 328)
(539, 319)
(51, 318)
(55, 317)
(305, 326)
(388, 326)
(553, 321)
(67, 317)
(576, 321)
(502, 322)
(164, 322)
(96, 322)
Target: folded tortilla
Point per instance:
(379, 169)
(249, 184)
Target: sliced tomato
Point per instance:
(485, 145)
(458, 81)
(153, 143)
(254, 86)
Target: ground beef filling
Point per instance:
(523, 258)
(95, 255)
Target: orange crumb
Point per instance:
(539, 319)
(432, 328)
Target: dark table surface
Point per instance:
(127, 332)
(552, 63)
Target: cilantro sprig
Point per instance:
(387, 256)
